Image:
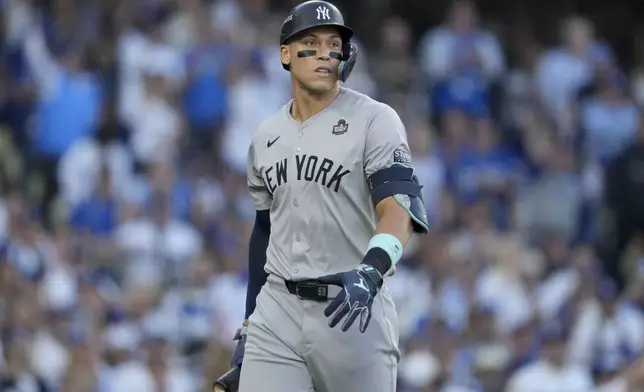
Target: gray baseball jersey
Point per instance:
(313, 178)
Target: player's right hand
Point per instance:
(229, 382)
(240, 337)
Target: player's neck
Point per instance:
(307, 104)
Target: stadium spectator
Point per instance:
(609, 119)
(564, 71)
(206, 95)
(622, 195)
(607, 333)
(550, 371)
(459, 45)
(69, 102)
(81, 168)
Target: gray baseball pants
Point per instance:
(290, 347)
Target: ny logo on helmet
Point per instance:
(323, 13)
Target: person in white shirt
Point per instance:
(80, 167)
(551, 373)
(254, 96)
(501, 286)
(563, 71)
(565, 282)
(419, 369)
(122, 371)
(461, 42)
(608, 333)
(138, 52)
(165, 369)
(156, 122)
(185, 313)
(49, 351)
(158, 246)
(227, 295)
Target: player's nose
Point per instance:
(324, 52)
(324, 56)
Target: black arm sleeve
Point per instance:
(257, 259)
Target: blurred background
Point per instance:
(124, 214)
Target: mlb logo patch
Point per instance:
(340, 128)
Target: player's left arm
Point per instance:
(395, 191)
(394, 219)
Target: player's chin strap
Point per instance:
(347, 58)
(400, 182)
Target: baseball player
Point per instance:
(337, 200)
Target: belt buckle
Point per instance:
(297, 291)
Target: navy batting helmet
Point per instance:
(316, 13)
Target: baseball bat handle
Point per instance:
(229, 382)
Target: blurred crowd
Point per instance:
(124, 213)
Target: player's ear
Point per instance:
(285, 54)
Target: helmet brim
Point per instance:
(346, 33)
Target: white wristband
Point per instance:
(390, 244)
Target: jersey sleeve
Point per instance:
(386, 141)
(256, 187)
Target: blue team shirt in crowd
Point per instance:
(206, 98)
(69, 114)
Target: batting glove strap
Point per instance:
(372, 275)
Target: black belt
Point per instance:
(308, 289)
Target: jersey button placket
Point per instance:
(298, 240)
(300, 133)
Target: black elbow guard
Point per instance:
(400, 182)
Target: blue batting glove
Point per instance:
(360, 287)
